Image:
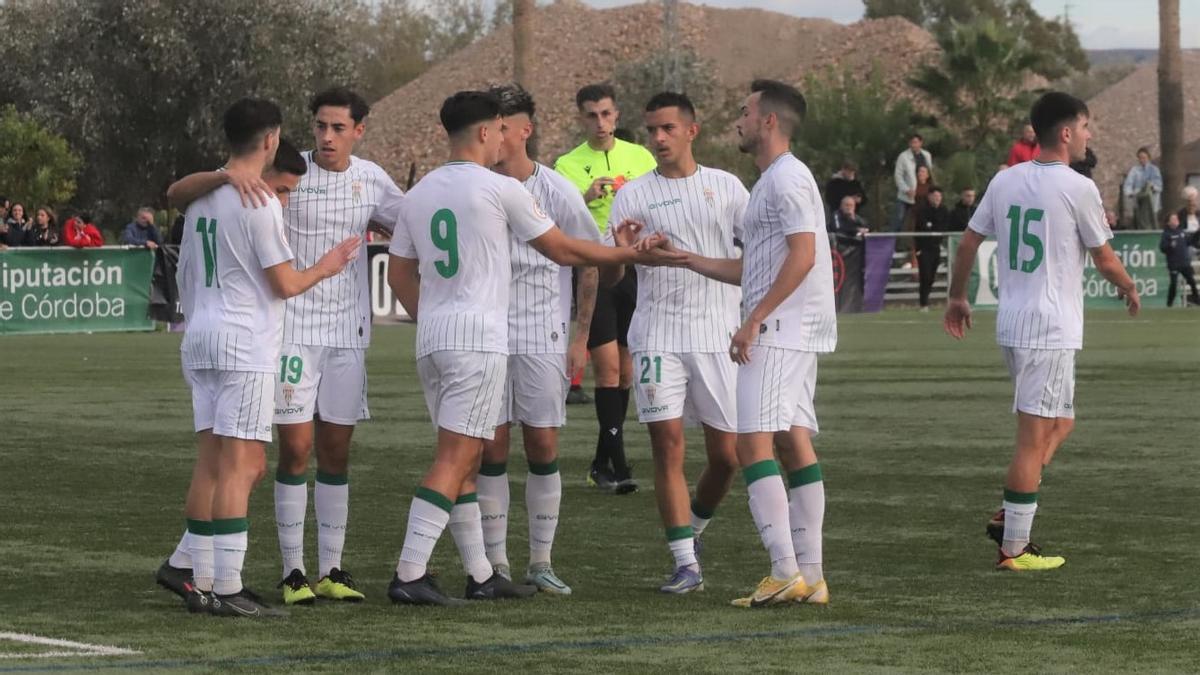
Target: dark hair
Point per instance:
(594, 93)
(467, 108)
(671, 99)
(247, 120)
(85, 216)
(917, 136)
(1051, 112)
(341, 97)
(289, 160)
(933, 189)
(514, 100)
(848, 165)
(782, 99)
(1144, 149)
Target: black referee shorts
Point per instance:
(614, 311)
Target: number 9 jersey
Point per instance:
(456, 223)
(1044, 217)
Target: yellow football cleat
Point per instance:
(339, 585)
(817, 594)
(296, 590)
(1030, 560)
(772, 591)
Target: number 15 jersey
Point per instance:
(1044, 217)
(456, 223)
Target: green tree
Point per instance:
(391, 46)
(37, 166)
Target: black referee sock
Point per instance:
(610, 414)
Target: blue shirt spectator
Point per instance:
(142, 231)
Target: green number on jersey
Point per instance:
(646, 370)
(208, 235)
(1019, 234)
(444, 232)
(291, 369)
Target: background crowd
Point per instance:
(19, 227)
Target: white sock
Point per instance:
(493, 506)
(698, 523)
(543, 497)
(291, 506)
(182, 557)
(1018, 523)
(683, 549)
(200, 546)
(768, 505)
(331, 499)
(806, 511)
(229, 553)
(427, 518)
(466, 527)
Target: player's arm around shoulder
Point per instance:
(253, 189)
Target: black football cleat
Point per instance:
(498, 588)
(178, 580)
(422, 591)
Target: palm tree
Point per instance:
(1170, 101)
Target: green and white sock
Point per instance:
(492, 487)
(230, 538)
(769, 507)
(543, 497)
(466, 527)
(681, 541)
(806, 510)
(291, 507)
(427, 519)
(1019, 509)
(331, 501)
(200, 546)
(700, 516)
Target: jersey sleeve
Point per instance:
(982, 222)
(402, 245)
(574, 218)
(1089, 218)
(795, 201)
(387, 211)
(526, 219)
(737, 207)
(267, 236)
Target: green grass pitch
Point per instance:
(915, 438)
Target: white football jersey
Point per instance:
(1044, 217)
(325, 209)
(785, 201)
(234, 318)
(536, 324)
(456, 222)
(679, 310)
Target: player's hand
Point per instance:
(739, 346)
(626, 232)
(1133, 302)
(958, 318)
(253, 189)
(576, 355)
(597, 189)
(657, 251)
(336, 258)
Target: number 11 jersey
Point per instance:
(1044, 217)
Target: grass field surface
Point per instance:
(916, 434)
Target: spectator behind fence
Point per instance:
(81, 232)
(920, 197)
(844, 183)
(1143, 191)
(18, 225)
(4, 204)
(934, 217)
(963, 210)
(1189, 215)
(906, 178)
(45, 229)
(847, 224)
(142, 231)
(1025, 148)
(1174, 243)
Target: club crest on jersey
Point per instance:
(709, 196)
(537, 208)
(289, 392)
(650, 391)
(356, 190)
(554, 336)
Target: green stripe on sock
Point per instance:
(433, 497)
(1020, 497)
(286, 478)
(544, 469)
(804, 476)
(681, 532)
(493, 469)
(701, 511)
(230, 525)
(204, 528)
(469, 498)
(332, 478)
(762, 469)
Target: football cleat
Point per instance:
(339, 585)
(296, 590)
(244, 603)
(995, 527)
(497, 588)
(577, 396)
(422, 591)
(772, 591)
(541, 576)
(601, 477)
(178, 580)
(198, 601)
(686, 579)
(1029, 560)
(624, 484)
(817, 594)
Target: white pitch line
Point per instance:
(82, 648)
(52, 655)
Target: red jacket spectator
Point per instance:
(1025, 149)
(82, 234)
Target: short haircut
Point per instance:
(917, 136)
(671, 99)
(145, 209)
(1051, 112)
(514, 100)
(341, 97)
(85, 216)
(247, 120)
(849, 165)
(1145, 150)
(594, 93)
(467, 108)
(782, 99)
(289, 160)
(933, 189)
